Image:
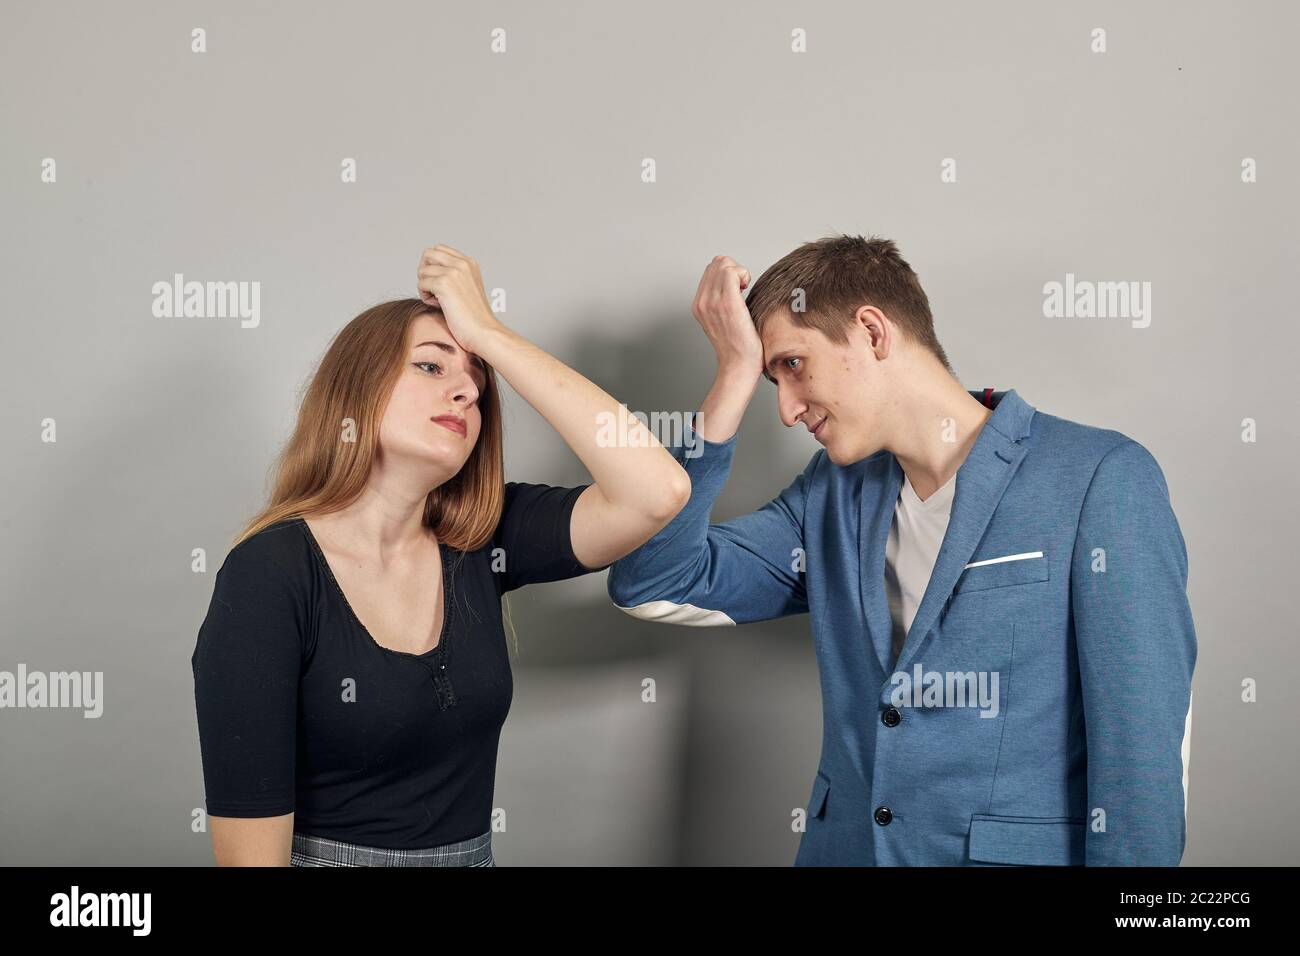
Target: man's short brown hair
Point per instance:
(838, 275)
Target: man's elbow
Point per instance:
(628, 586)
(623, 584)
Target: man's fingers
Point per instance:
(729, 279)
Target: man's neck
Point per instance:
(936, 427)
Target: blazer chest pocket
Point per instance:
(1028, 841)
(1001, 572)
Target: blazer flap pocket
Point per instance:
(1001, 572)
(817, 802)
(1030, 841)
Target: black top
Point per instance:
(300, 710)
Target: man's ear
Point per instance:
(878, 330)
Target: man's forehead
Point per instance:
(780, 338)
(780, 333)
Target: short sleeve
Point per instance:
(246, 668)
(533, 541)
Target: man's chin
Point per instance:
(845, 457)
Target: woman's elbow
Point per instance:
(676, 493)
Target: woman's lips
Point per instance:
(453, 425)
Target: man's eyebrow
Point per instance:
(779, 356)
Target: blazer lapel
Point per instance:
(981, 481)
(876, 513)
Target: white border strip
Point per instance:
(666, 612)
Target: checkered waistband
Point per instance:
(311, 850)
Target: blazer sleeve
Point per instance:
(246, 667)
(1136, 649)
(700, 574)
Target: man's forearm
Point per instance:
(725, 405)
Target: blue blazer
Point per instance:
(1040, 709)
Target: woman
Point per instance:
(351, 677)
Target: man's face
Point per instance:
(828, 388)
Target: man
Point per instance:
(998, 595)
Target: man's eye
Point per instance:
(434, 364)
(788, 365)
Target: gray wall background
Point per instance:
(225, 166)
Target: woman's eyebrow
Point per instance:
(442, 345)
(452, 350)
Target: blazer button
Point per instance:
(884, 815)
(891, 717)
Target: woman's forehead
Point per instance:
(430, 330)
(431, 326)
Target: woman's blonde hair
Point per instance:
(325, 464)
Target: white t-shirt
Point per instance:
(915, 537)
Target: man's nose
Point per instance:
(790, 408)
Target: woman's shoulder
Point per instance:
(534, 533)
(527, 494)
(261, 602)
(529, 506)
(278, 550)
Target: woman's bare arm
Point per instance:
(252, 841)
(639, 486)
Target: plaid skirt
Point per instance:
(311, 850)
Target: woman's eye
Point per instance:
(434, 364)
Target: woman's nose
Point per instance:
(465, 392)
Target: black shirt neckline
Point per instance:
(440, 648)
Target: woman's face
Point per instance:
(433, 414)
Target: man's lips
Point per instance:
(819, 426)
(452, 424)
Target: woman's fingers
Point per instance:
(440, 255)
(444, 254)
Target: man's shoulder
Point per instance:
(1075, 441)
(1091, 451)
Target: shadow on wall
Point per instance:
(590, 773)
